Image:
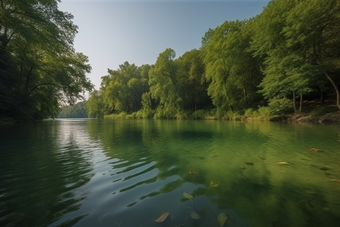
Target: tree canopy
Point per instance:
(40, 69)
(77, 110)
(290, 51)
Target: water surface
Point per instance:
(87, 172)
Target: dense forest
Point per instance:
(39, 68)
(284, 60)
(278, 62)
(77, 110)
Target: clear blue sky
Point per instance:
(112, 32)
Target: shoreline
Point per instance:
(327, 118)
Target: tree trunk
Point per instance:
(27, 83)
(322, 98)
(245, 95)
(301, 100)
(294, 102)
(336, 90)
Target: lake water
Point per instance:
(127, 173)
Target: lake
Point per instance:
(126, 173)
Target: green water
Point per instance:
(127, 173)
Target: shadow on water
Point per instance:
(42, 170)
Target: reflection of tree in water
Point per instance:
(242, 158)
(39, 177)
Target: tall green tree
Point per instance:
(164, 84)
(298, 40)
(230, 67)
(312, 34)
(123, 88)
(95, 104)
(281, 78)
(77, 110)
(41, 68)
(192, 81)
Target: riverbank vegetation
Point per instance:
(39, 68)
(275, 63)
(77, 110)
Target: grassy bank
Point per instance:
(310, 113)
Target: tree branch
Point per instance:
(42, 84)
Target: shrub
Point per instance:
(280, 105)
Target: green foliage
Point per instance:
(233, 86)
(95, 105)
(264, 112)
(319, 111)
(201, 114)
(191, 80)
(39, 68)
(298, 41)
(244, 69)
(280, 105)
(164, 85)
(76, 111)
(123, 88)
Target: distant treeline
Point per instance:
(39, 68)
(266, 65)
(78, 110)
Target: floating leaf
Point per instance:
(284, 163)
(102, 217)
(315, 149)
(162, 217)
(213, 184)
(188, 196)
(222, 218)
(194, 215)
(335, 180)
(192, 173)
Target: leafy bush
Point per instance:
(200, 114)
(264, 112)
(280, 105)
(249, 112)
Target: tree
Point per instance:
(95, 105)
(282, 76)
(299, 41)
(312, 32)
(123, 88)
(41, 68)
(192, 82)
(75, 111)
(226, 55)
(164, 84)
